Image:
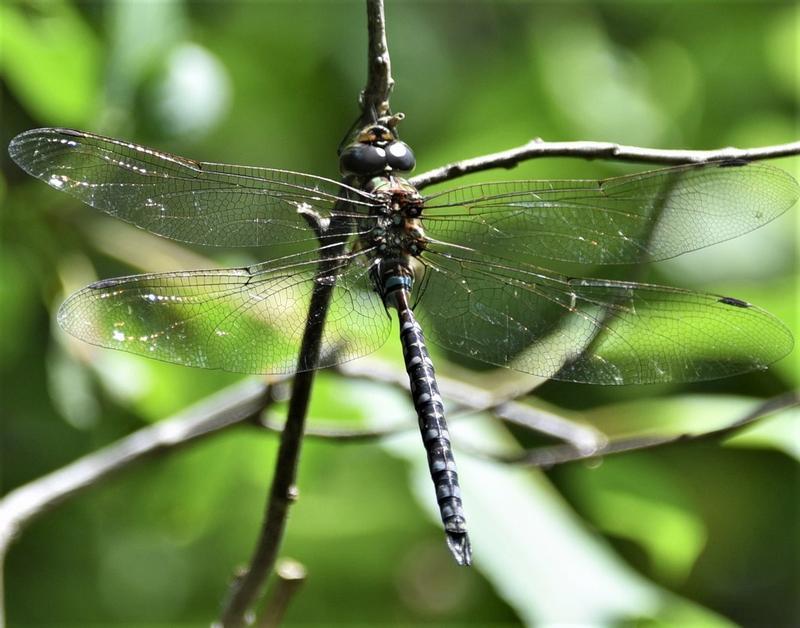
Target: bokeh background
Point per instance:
(694, 534)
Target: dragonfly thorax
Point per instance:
(396, 236)
(397, 232)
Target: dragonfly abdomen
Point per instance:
(433, 427)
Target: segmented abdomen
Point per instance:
(432, 425)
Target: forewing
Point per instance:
(643, 217)
(189, 201)
(591, 331)
(247, 320)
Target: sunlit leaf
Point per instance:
(781, 432)
(532, 547)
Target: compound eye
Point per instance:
(362, 159)
(400, 157)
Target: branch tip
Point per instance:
(538, 148)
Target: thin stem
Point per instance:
(374, 99)
(238, 405)
(560, 454)
(247, 587)
(233, 406)
(290, 577)
(597, 150)
(476, 399)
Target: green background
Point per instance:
(696, 534)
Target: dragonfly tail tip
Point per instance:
(460, 547)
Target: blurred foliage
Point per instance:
(696, 534)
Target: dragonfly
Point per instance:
(463, 263)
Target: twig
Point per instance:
(246, 587)
(238, 404)
(231, 406)
(248, 583)
(510, 412)
(374, 100)
(593, 443)
(343, 434)
(597, 150)
(290, 577)
(560, 454)
(584, 438)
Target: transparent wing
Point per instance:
(246, 320)
(643, 217)
(591, 331)
(189, 201)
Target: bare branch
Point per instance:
(560, 454)
(583, 441)
(584, 438)
(240, 403)
(511, 412)
(245, 589)
(374, 100)
(231, 406)
(597, 150)
(343, 434)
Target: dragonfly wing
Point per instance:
(591, 331)
(643, 217)
(189, 201)
(246, 320)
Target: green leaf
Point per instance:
(51, 61)
(534, 548)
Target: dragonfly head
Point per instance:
(376, 150)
